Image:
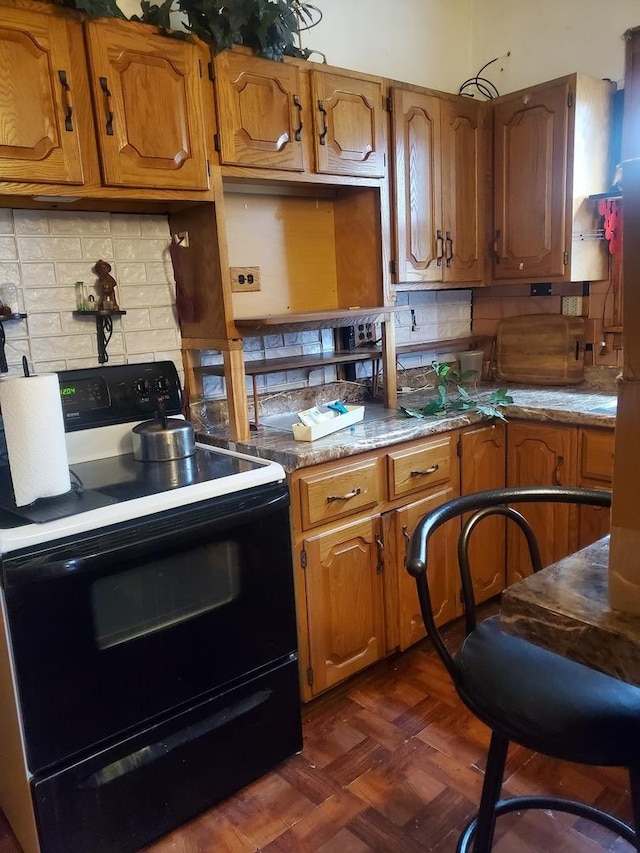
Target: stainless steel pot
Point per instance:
(163, 439)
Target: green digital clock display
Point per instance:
(84, 395)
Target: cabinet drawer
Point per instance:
(596, 458)
(340, 492)
(420, 467)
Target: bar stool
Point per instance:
(524, 693)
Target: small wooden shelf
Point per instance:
(333, 319)
(260, 366)
(109, 313)
(442, 345)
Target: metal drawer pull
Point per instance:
(68, 103)
(323, 133)
(347, 497)
(431, 470)
(104, 85)
(298, 130)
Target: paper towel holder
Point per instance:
(4, 367)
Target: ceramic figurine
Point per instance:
(106, 287)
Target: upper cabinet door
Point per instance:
(530, 174)
(149, 107)
(464, 182)
(349, 125)
(418, 203)
(260, 115)
(38, 127)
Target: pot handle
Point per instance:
(162, 413)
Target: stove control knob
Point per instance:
(141, 387)
(162, 384)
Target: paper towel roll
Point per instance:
(34, 430)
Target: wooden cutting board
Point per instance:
(541, 349)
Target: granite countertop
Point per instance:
(384, 427)
(565, 608)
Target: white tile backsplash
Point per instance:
(51, 250)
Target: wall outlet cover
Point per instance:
(245, 278)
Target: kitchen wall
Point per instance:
(45, 253)
(549, 39)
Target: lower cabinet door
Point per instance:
(442, 568)
(541, 455)
(483, 467)
(344, 601)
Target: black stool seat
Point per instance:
(547, 702)
(523, 692)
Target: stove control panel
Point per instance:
(100, 396)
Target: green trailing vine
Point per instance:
(452, 397)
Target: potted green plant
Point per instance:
(269, 27)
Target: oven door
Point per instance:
(112, 629)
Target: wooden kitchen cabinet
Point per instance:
(344, 602)
(541, 455)
(440, 146)
(550, 154)
(442, 569)
(349, 124)
(148, 105)
(39, 130)
(291, 117)
(483, 466)
(260, 112)
(596, 472)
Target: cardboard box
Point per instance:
(338, 421)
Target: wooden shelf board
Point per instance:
(318, 319)
(611, 196)
(450, 344)
(274, 365)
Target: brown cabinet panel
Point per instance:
(148, 107)
(344, 601)
(440, 173)
(596, 455)
(349, 122)
(260, 112)
(483, 466)
(38, 126)
(341, 491)
(596, 472)
(542, 455)
(418, 468)
(442, 568)
(464, 151)
(418, 192)
(530, 173)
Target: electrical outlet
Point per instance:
(245, 278)
(572, 306)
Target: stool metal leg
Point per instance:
(491, 788)
(634, 783)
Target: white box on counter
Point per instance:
(301, 432)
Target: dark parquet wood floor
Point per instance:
(394, 763)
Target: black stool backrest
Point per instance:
(482, 504)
